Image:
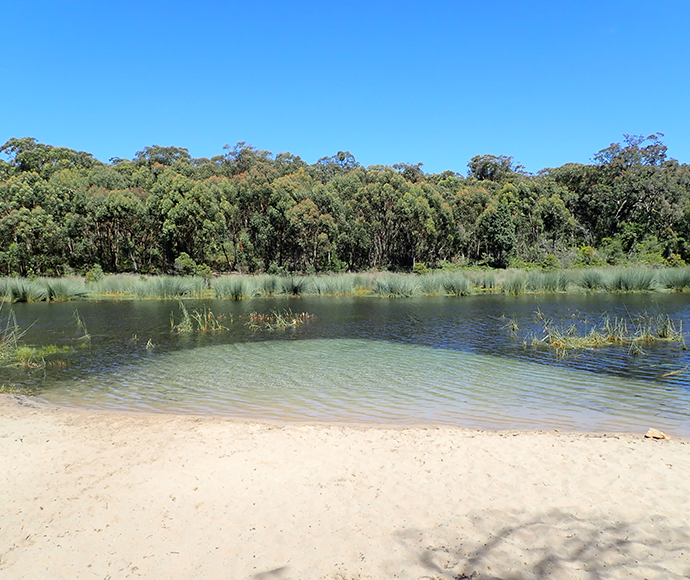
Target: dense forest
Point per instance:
(63, 211)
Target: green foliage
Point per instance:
(247, 211)
(184, 265)
(95, 274)
(420, 268)
(587, 257)
(550, 262)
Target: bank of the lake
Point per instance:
(91, 494)
(449, 282)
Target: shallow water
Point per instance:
(408, 361)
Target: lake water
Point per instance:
(452, 361)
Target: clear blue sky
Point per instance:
(546, 82)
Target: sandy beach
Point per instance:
(88, 494)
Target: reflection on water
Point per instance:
(445, 361)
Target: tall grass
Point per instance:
(396, 286)
(293, 285)
(631, 280)
(336, 284)
(63, 289)
(166, 287)
(548, 282)
(115, 284)
(232, 287)
(514, 285)
(676, 279)
(455, 284)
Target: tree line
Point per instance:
(247, 210)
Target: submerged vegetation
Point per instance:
(633, 333)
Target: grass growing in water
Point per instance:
(278, 320)
(197, 320)
(616, 331)
(14, 353)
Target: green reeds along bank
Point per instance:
(632, 280)
(396, 286)
(278, 320)
(676, 279)
(455, 284)
(293, 286)
(231, 287)
(552, 282)
(166, 287)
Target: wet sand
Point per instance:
(87, 494)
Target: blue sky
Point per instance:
(437, 82)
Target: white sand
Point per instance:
(109, 496)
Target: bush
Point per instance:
(184, 265)
(420, 268)
(95, 274)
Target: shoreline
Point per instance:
(96, 494)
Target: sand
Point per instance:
(88, 494)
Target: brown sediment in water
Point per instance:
(94, 494)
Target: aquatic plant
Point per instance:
(617, 331)
(277, 320)
(197, 321)
(14, 353)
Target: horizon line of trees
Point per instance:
(248, 210)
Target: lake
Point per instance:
(446, 361)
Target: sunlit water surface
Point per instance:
(429, 361)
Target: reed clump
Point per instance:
(14, 353)
(231, 287)
(167, 287)
(396, 286)
(633, 333)
(676, 279)
(278, 320)
(203, 320)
